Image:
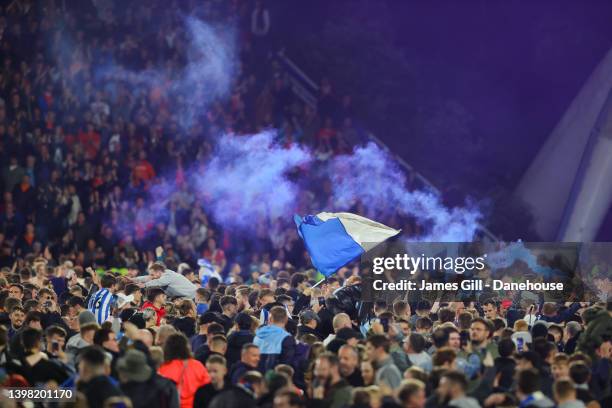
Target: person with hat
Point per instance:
(87, 329)
(198, 340)
(142, 384)
(308, 324)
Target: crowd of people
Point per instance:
(136, 308)
(168, 339)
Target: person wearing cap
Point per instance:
(198, 340)
(308, 324)
(87, 329)
(241, 335)
(132, 270)
(142, 384)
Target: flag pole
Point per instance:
(319, 282)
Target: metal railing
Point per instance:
(306, 89)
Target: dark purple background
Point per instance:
(512, 66)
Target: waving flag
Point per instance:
(335, 239)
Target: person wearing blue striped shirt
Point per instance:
(101, 301)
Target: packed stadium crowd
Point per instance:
(142, 309)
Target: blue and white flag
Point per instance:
(335, 239)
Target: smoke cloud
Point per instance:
(207, 74)
(370, 176)
(248, 180)
(252, 179)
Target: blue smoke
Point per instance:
(247, 181)
(206, 75)
(371, 177)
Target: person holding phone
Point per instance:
(55, 341)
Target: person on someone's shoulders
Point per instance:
(175, 284)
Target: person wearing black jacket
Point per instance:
(580, 374)
(217, 369)
(308, 324)
(571, 334)
(33, 321)
(250, 387)
(239, 337)
(93, 381)
(143, 385)
(551, 314)
(37, 367)
(249, 361)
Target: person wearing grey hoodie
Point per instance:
(174, 284)
(453, 388)
(564, 391)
